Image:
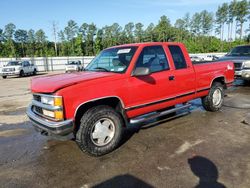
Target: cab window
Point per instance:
(154, 58)
(178, 57)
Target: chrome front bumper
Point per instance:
(9, 73)
(244, 74)
(51, 127)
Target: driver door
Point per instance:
(149, 93)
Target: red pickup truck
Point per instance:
(124, 85)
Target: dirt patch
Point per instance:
(14, 132)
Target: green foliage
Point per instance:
(201, 32)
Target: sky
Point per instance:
(35, 14)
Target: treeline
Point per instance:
(201, 32)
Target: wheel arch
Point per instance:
(113, 101)
(219, 79)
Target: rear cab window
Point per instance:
(178, 57)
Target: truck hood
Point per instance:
(52, 83)
(235, 59)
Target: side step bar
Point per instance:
(144, 118)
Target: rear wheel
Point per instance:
(34, 72)
(100, 130)
(214, 100)
(4, 77)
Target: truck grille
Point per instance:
(38, 110)
(238, 66)
(8, 69)
(37, 98)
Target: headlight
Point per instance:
(246, 64)
(53, 101)
(57, 115)
(50, 106)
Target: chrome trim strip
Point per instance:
(160, 101)
(46, 106)
(46, 117)
(203, 89)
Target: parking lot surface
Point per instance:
(198, 148)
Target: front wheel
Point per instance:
(21, 73)
(4, 77)
(214, 100)
(100, 130)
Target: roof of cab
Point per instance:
(144, 44)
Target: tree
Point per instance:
(2, 37)
(196, 24)
(78, 46)
(99, 41)
(70, 32)
(164, 30)
(139, 32)
(115, 32)
(9, 32)
(31, 43)
(21, 36)
(242, 12)
(129, 30)
(40, 38)
(186, 20)
(63, 44)
(206, 22)
(221, 18)
(232, 12)
(150, 33)
(83, 31)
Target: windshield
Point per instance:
(240, 51)
(112, 60)
(13, 63)
(73, 63)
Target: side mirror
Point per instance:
(141, 71)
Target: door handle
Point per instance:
(171, 78)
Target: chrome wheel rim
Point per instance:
(217, 96)
(103, 132)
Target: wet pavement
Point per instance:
(196, 149)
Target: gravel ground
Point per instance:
(199, 148)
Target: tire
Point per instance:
(210, 103)
(21, 73)
(4, 77)
(92, 141)
(34, 72)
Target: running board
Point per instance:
(144, 118)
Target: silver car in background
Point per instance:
(73, 66)
(240, 55)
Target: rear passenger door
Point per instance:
(183, 75)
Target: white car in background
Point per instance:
(196, 59)
(210, 58)
(18, 68)
(73, 66)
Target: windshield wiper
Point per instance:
(101, 68)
